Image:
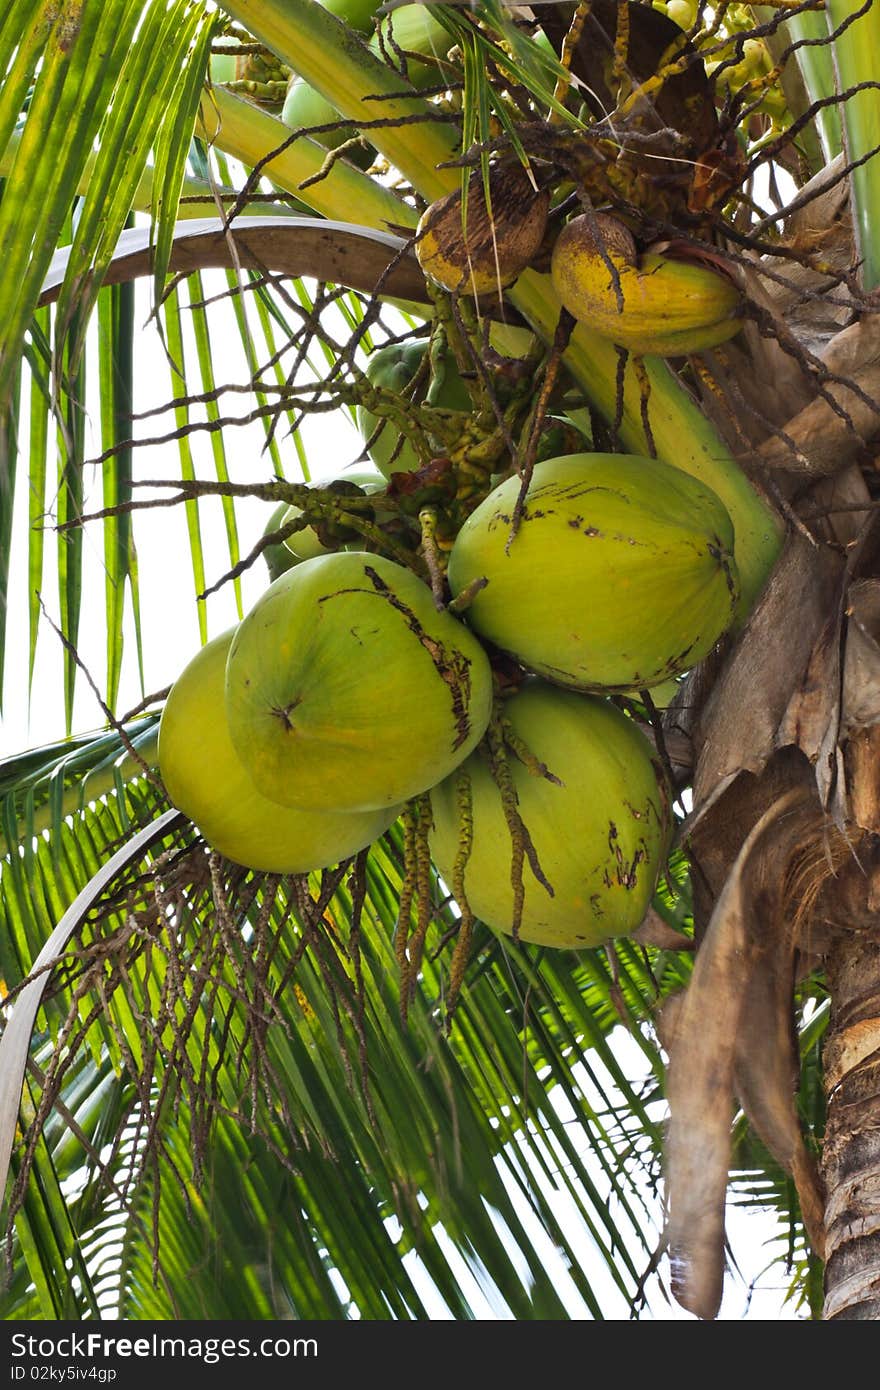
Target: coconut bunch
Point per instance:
(352, 690)
(473, 695)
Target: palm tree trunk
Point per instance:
(851, 1154)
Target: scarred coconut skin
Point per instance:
(496, 242)
(347, 690)
(598, 822)
(620, 574)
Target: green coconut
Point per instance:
(417, 33)
(307, 543)
(305, 108)
(620, 574)
(357, 14)
(661, 695)
(221, 66)
(279, 559)
(395, 367)
(412, 29)
(206, 780)
(597, 817)
(347, 689)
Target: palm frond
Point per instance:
(75, 102)
(854, 36)
(451, 1148)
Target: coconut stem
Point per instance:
(569, 44)
(467, 595)
(422, 895)
(431, 552)
(564, 328)
(437, 359)
(404, 906)
(521, 750)
(461, 951)
(644, 381)
(416, 888)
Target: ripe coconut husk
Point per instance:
(670, 301)
(483, 246)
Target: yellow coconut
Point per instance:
(347, 689)
(595, 807)
(205, 779)
(653, 303)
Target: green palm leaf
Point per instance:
(433, 1137)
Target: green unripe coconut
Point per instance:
(413, 30)
(601, 832)
(306, 544)
(357, 14)
(755, 62)
(347, 690)
(661, 695)
(206, 780)
(221, 66)
(394, 367)
(305, 108)
(621, 573)
(279, 559)
(683, 12)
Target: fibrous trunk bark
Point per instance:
(851, 1151)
